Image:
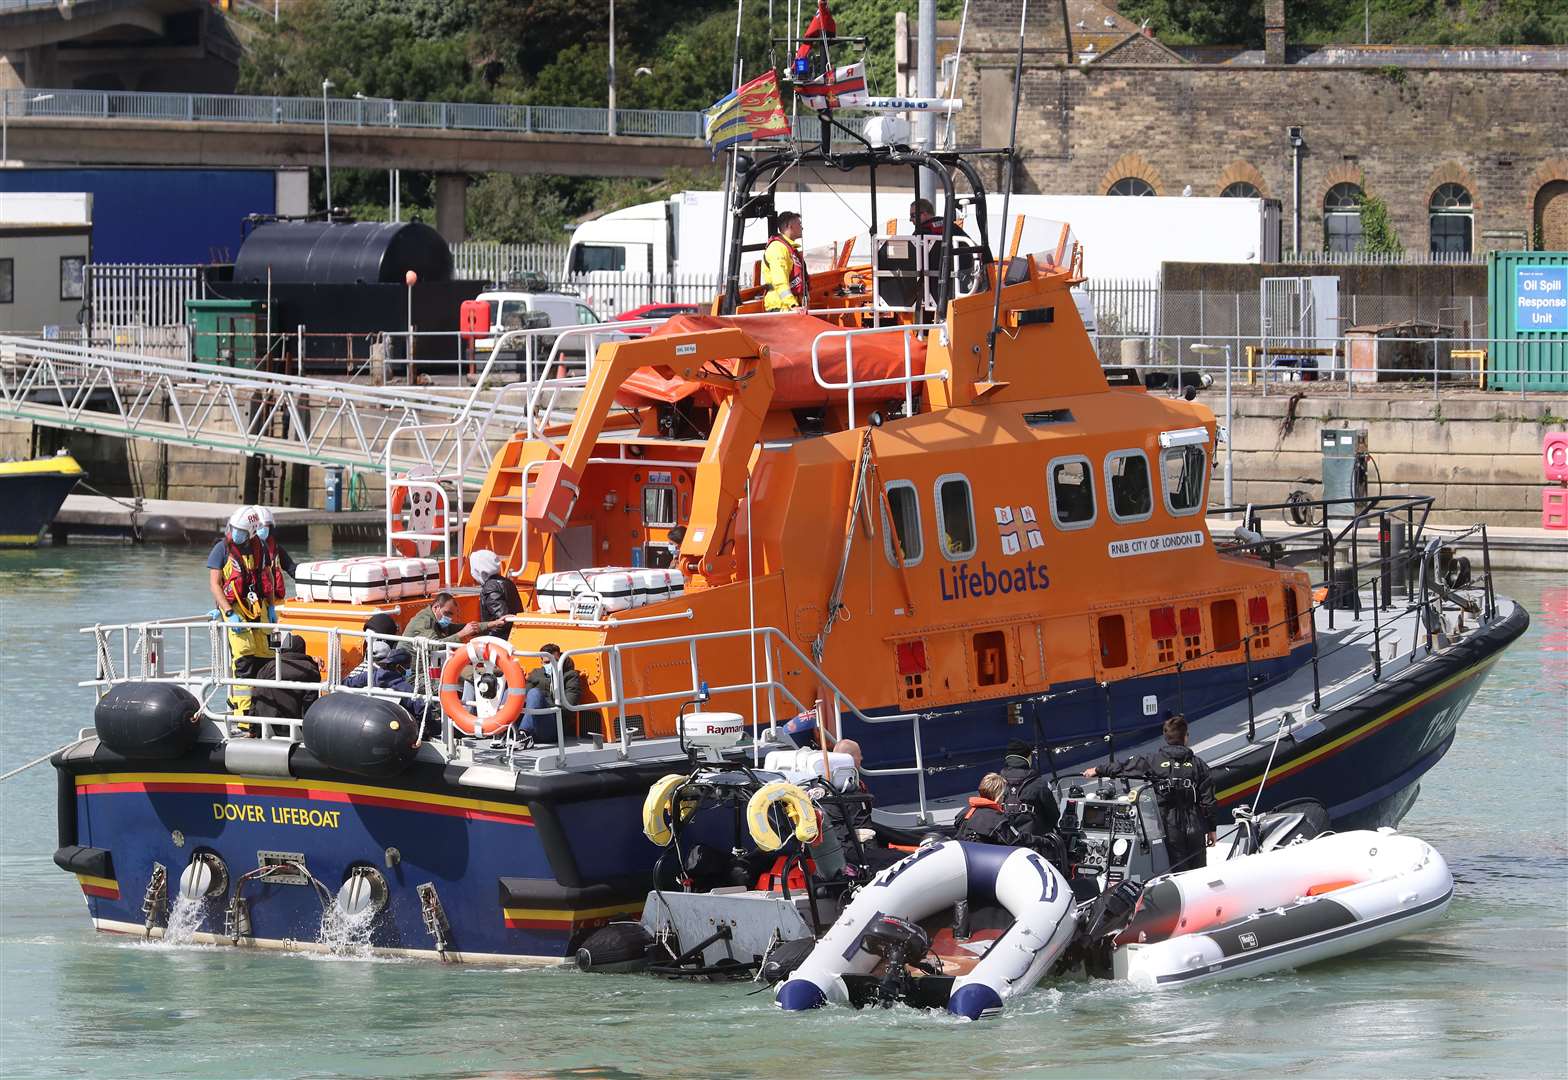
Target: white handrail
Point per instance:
(851, 384)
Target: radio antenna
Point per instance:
(1007, 193)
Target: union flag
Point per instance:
(754, 111)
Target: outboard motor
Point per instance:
(898, 942)
(362, 735)
(148, 721)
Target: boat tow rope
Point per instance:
(72, 745)
(1278, 735)
(867, 477)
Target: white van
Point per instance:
(516, 310)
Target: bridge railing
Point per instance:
(366, 113)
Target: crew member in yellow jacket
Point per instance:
(784, 267)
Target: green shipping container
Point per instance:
(230, 332)
(1527, 320)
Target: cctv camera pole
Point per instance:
(326, 142)
(611, 125)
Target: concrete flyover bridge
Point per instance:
(313, 421)
(99, 127)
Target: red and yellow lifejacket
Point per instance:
(272, 570)
(242, 579)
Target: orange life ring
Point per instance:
(482, 650)
(410, 548)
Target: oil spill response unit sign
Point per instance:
(1151, 545)
(1541, 298)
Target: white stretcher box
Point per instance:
(609, 588)
(804, 764)
(365, 579)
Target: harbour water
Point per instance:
(1484, 994)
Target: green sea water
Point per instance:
(1483, 994)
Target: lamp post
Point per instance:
(1206, 349)
(5, 122)
(610, 126)
(394, 177)
(326, 141)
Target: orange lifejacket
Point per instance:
(241, 578)
(271, 570)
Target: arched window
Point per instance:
(1452, 217)
(1342, 217)
(1131, 185)
(1241, 189)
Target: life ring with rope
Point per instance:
(417, 504)
(497, 654)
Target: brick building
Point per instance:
(1467, 148)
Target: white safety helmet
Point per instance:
(265, 514)
(244, 520)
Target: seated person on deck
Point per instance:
(439, 621)
(541, 726)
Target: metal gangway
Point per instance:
(423, 430)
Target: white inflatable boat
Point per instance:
(1284, 908)
(873, 952)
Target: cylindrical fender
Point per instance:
(1043, 924)
(802, 814)
(658, 811)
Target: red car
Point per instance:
(656, 311)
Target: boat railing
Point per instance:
(431, 524)
(909, 381)
(194, 652)
(775, 648)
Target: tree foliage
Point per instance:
(1390, 22)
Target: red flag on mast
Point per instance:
(821, 26)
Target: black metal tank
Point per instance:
(343, 253)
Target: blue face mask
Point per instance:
(444, 622)
(239, 536)
(263, 532)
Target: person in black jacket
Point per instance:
(1027, 790)
(1184, 790)
(291, 663)
(498, 596)
(986, 821)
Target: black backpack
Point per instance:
(1017, 779)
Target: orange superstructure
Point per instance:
(1025, 528)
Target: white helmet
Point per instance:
(245, 520)
(265, 514)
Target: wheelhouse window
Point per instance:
(1183, 469)
(1452, 217)
(658, 506)
(955, 517)
(1342, 218)
(1132, 492)
(904, 503)
(1072, 493)
(1130, 185)
(1241, 189)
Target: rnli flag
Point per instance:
(753, 112)
(839, 88)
